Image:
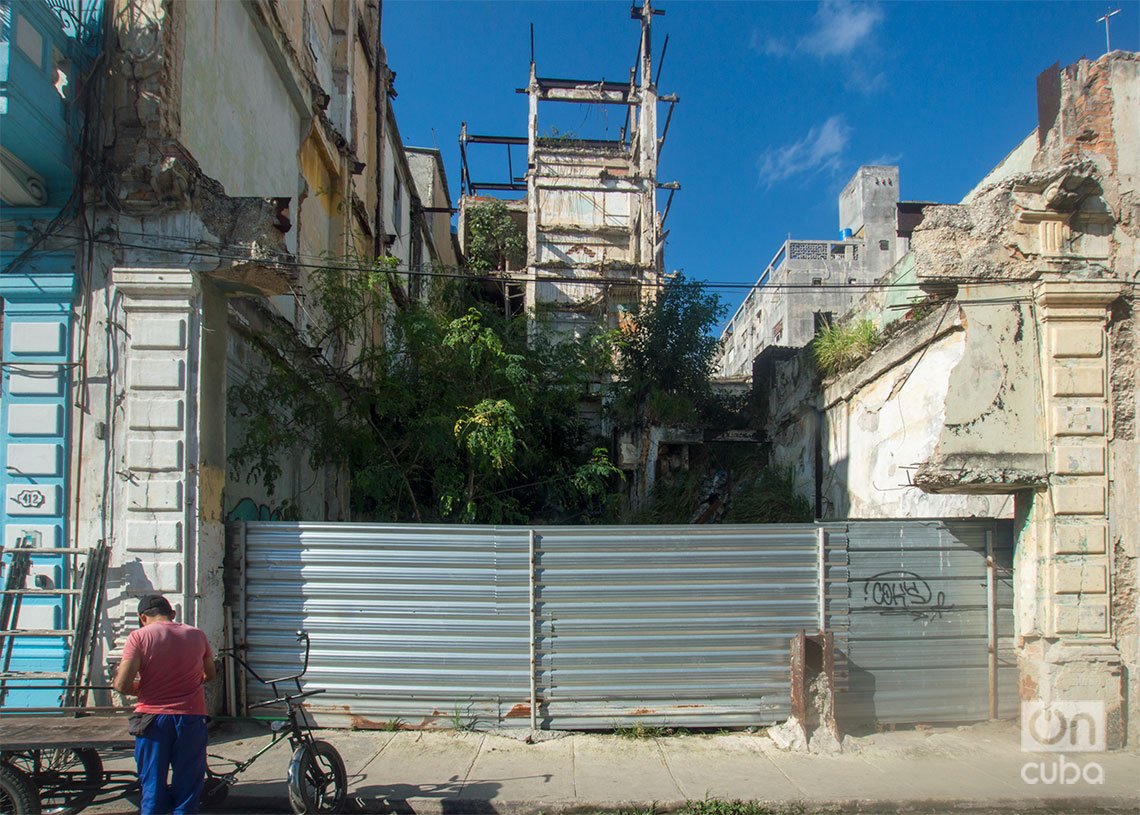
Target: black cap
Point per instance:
(155, 604)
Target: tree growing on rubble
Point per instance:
(666, 356)
(494, 237)
(443, 412)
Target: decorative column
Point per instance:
(1075, 658)
(34, 447)
(155, 437)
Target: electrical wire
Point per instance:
(339, 266)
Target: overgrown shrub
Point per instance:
(770, 499)
(838, 348)
(673, 500)
(666, 356)
(495, 240)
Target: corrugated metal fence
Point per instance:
(553, 627)
(918, 639)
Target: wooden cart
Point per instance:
(52, 764)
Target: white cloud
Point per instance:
(769, 45)
(820, 149)
(885, 159)
(841, 27)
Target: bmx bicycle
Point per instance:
(316, 780)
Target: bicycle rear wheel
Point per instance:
(68, 778)
(317, 779)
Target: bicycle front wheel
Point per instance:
(317, 779)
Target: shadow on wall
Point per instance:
(831, 489)
(855, 706)
(133, 578)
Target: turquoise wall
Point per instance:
(42, 54)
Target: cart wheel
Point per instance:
(317, 780)
(17, 793)
(214, 792)
(68, 778)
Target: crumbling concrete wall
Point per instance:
(431, 185)
(1123, 501)
(873, 426)
(1038, 262)
(1059, 240)
(253, 153)
(989, 436)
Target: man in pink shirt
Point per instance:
(165, 664)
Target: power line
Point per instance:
(336, 266)
(333, 266)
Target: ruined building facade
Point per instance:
(1007, 386)
(594, 238)
(231, 152)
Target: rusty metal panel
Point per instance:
(683, 626)
(916, 641)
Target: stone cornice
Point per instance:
(1061, 299)
(155, 284)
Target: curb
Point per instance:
(1112, 805)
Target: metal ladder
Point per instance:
(85, 610)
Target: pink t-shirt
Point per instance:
(170, 674)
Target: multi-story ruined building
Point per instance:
(594, 238)
(811, 282)
(229, 153)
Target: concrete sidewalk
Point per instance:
(929, 770)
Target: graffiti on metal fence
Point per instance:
(902, 592)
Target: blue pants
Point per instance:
(175, 743)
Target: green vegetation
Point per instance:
(751, 491)
(838, 348)
(674, 499)
(666, 356)
(447, 410)
(640, 730)
(770, 499)
(495, 239)
(719, 806)
(439, 412)
(462, 721)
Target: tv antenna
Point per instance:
(1104, 19)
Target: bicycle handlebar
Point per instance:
(302, 636)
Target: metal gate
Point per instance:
(930, 629)
(555, 627)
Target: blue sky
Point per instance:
(780, 101)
